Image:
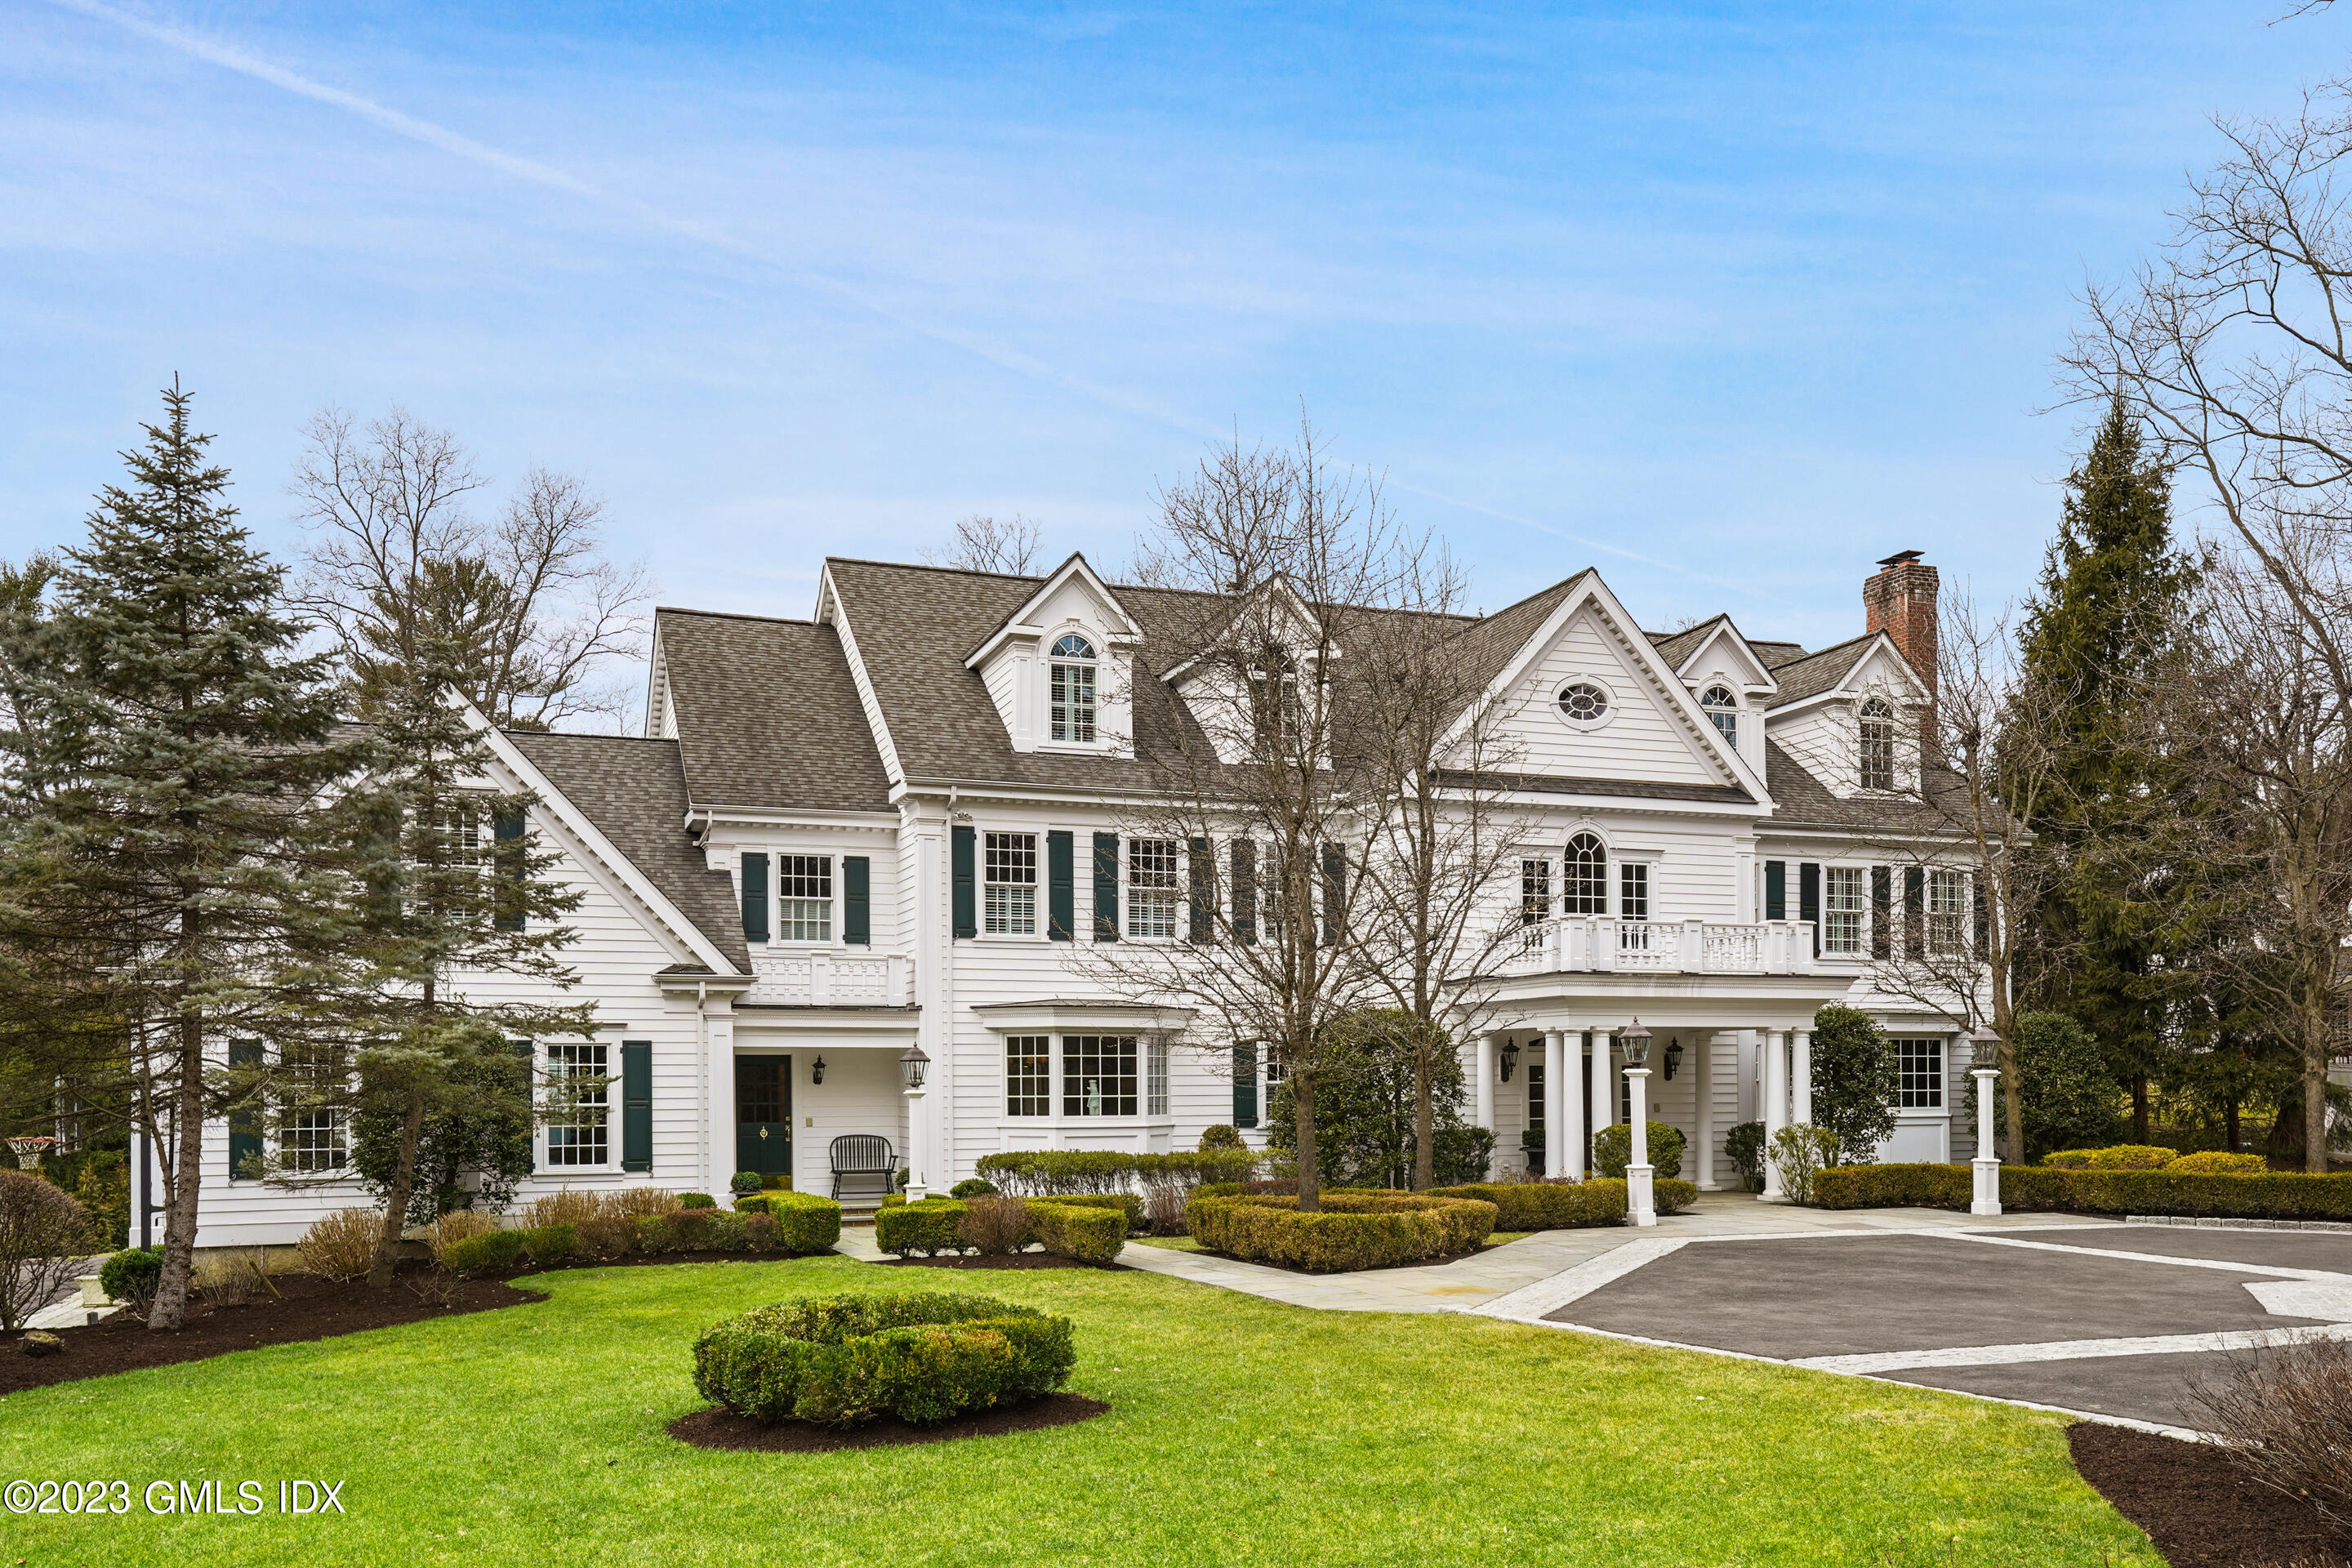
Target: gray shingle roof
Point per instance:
(1800, 799)
(1810, 675)
(768, 714)
(634, 791)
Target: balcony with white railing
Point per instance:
(821, 978)
(1596, 943)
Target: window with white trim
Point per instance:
(1098, 1075)
(1152, 886)
(1155, 1077)
(1877, 744)
(1070, 701)
(805, 902)
(1920, 1064)
(1535, 891)
(1724, 709)
(1633, 905)
(1028, 1075)
(1844, 895)
(1011, 906)
(1947, 897)
(1583, 704)
(314, 1141)
(577, 1088)
(1587, 875)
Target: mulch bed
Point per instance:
(2198, 1507)
(310, 1307)
(717, 1429)
(1003, 1260)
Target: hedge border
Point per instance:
(2280, 1195)
(1355, 1229)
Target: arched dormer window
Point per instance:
(1071, 700)
(1587, 875)
(1877, 752)
(1724, 709)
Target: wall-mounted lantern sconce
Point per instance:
(1510, 1058)
(1674, 1055)
(817, 1070)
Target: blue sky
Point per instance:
(1729, 300)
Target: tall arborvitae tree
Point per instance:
(176, 842)
(2113, 596)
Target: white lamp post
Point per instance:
(1984, 1196)
(1641, 1200)
(914, 1065)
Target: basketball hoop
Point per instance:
(28, 1151)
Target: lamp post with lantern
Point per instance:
(1641, 1200)
(914, 1067)
(1984, 1196)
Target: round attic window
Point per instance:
(1583, 703)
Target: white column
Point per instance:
(1485, 1097)
(1776, 1107)
(718, 1069)
(1605, 1082)
(1800, 1072)
(1555, 1069)
(1985, 1194)
(1571, 1105)
(1703, 1124)
(1641, 1200)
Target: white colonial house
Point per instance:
(874, 831)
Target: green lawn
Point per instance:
(1242, 1432)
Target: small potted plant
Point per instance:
(1531, 1147)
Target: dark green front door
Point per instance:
(763, 1114)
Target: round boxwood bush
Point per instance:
(743, 1182)
(1612, 1149)
(132, 1274)
(973, 1188)
(846, 1359)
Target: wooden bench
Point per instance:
(863, 1154)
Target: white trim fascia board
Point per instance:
(999, 791)
(591, 838)
(1057, 1015)
(875, 721)
(818, 817)
(657, 683)
(1862, 840)
(1723, 628)
(1842, 691)
(699, 985)
(789, 1027)
(1645, 804)
(1019, 624)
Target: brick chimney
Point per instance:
(1901, 601)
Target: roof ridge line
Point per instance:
(736, 615)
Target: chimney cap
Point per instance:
(1903, 558)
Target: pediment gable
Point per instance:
(1072, 592)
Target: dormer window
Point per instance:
(1071, 702)
(1877, 744)
(1724, 709)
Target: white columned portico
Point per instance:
(1703, 1122)
(1776, 1107)
(1605, 1082)
(1484, 1099)
(1571, 1106)
(1801, 1069)
(1555, 1067)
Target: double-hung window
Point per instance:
(314, 1141)
(1948, 912)
(1535, 891)
(1844, 892)
(1011, 903)
(1071, 700)
(576, 1130)
(1098, 1075)
(1152, 886)
(1028, 1076)
(1633, 905)
(1920, 1063)
(804, 898)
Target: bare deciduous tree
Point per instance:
(985, 545)
(397, 555)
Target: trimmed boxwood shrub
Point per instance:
(1547, 1205)
(1671, 1196)
(491, 1252)
(1087, 1233)
(843, 1360)
(697, 1201)
(1612, 1149)
(973, 1188)
(743, 1182)
(2122, 1157)
(805, 1223)
(1129, 1203)
(1059, 1172)
(2277, 1194)
(2220, 1162)
(551, 1243)
(132, 1274)
(1355, 1230)
(927, 1228)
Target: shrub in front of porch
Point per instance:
(846, 1359)
(923, 1229)
(1354, 1230)
(805, 1223)
(1612, 1149)
(1083, 1233)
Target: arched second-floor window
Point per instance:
(1877, 744)
(1587, 875)
(1724, 709)
(1071, 702)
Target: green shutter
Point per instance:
(244, 1123)
(1915, 910)
(1882, 911)
(1106, 887)
(755, 898)
(1246, 891)
(1244, 1086)
(967, 901)
(1061, 890)
(1203, 899)
(506, 864)
(636, 1105)
(1809, 900)
(858, 899)
(1335, 891)
(1776, 890)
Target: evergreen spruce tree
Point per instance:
(2113, 591)
(175, 843)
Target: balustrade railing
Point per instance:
(1588, 943)
(821, 979)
